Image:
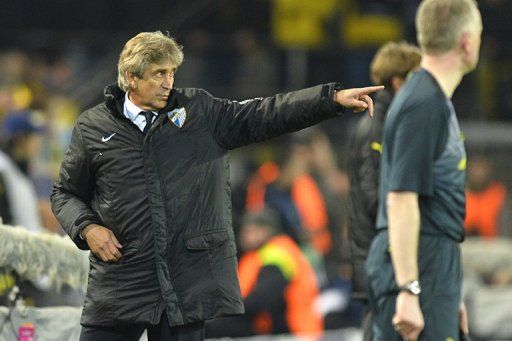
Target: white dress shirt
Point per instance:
(134, 113)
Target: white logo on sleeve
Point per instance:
(105, 139)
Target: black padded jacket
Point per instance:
(166, 196)
(364, 164)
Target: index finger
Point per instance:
(369, 89)
(369, 101)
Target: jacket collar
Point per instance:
(115, 97)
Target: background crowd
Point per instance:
(55, 56)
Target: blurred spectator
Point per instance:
(277, 282)
(487, 288)
(17, 192)
(289, 188)
(333, 183)
(488, 211)
(261, 193)
(19, 204)
(390, 66)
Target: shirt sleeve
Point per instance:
(419, 135)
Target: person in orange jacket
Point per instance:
(289, 188)
(278, 284)
(488, 213)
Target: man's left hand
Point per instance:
(357, 99)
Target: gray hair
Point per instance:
(143, 49)
(440, 23)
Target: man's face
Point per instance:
(152, 90)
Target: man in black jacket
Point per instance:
(145, 186)
(390, 66)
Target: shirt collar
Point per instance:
(131, 110)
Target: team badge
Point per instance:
(177, 116)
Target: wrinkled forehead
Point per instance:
(164, 66)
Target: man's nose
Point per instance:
(168, 80)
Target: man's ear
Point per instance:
(132, 79)
(465, 43)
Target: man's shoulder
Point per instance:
(92, 113)
(420, 90)
(93, 118)
(191, 93)
(98, 109)
(419, 96)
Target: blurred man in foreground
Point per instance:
(414, 268)
(145, 186)
(390, 66)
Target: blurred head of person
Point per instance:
(480, 172)
(22, 137)
(296, 158)
(258, 228)
(392, 62)
(146, 69)
(445, 26)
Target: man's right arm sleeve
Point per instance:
(73, 190)
(235, 124)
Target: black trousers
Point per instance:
(440, 277)
(367, 325)
(133, 332)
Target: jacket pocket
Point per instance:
(206, 240)
(216, 251)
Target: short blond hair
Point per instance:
(394, 59)
(440, 23)
(143, 49)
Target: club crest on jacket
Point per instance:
(177, 116)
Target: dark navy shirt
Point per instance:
(423, 152)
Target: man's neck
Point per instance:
(136, 100)
(446, 70)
